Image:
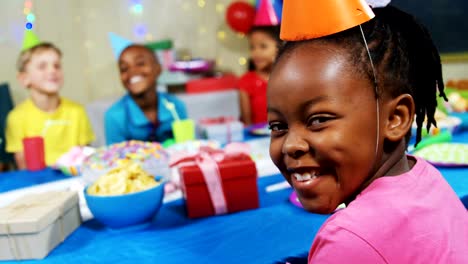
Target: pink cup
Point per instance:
(33, 148)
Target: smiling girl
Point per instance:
(340, 109)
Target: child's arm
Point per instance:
(20, 161)
(246, 112)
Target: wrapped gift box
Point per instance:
(237, 180)
(222, 129)
(35, 224)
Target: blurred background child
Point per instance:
(264, 43)
(62, 123)
(143, 113)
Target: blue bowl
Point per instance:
(120, 211)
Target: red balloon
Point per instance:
(240, 16)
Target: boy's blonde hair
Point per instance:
(26, 55)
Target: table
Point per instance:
(275, 231)
(269, 234)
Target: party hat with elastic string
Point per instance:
(266, 15)
(29, 40)
(306, 19)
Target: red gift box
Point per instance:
(237, 178)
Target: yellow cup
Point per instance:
(183, 130)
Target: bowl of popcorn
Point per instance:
(125, 196)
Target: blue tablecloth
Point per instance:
(21, 179)
(271, 233)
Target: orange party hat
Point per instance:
(306, 19)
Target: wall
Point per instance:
(80, 28)
(455, 70)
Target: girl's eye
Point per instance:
(277, 127)
(140, 63)
(319, 120)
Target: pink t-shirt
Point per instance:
(415, 217)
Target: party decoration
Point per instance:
(28, 4)
(305, 19)
(29, 40)
(137, 8)
(164, 50)
(30, 17)
(118, 44)
(277, 6)
(240, 16)
(266, 15)
(140, 30)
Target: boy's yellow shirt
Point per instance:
(66, 127)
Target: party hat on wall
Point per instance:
(118, 44)
(265, 15)
(29, 40)
(305, 19)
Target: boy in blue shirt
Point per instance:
(143, 113)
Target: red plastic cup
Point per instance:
(33, 148)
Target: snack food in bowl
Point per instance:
(129, 177)
(149, 155)
(125, 196)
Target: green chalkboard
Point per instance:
(447, 20)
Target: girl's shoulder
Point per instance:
(250, 79)
(250, 75)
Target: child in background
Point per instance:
(340, 117)
(264, 44)
(143, 114)
(62, 123)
